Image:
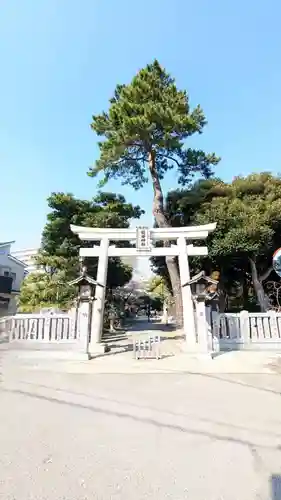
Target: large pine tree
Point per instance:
(143, 136)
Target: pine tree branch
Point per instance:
(163, 155)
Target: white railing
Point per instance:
(4, 328)
(41, 328)
(246, 330)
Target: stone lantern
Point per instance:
(204, 292)
(84, 306)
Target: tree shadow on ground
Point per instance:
(122, 341)
(159, 411)
(152, 325)
(120, 347)
(213, 436)
(114, 336)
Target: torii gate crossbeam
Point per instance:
(144, 238)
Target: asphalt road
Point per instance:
(136, 437)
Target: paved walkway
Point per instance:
(116, 428)
(150, 436)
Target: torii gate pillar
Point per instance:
(188, 313)
(98, 306)
(144, 237)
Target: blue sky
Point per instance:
(60, 62)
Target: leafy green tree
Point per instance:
(41, 289)
(248, 216)
(60, 247)
(59, 255)
(158, 290)
(143, 136)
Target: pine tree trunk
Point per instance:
(222, 300)
(258, 287)
(161, 220)
(245, 294)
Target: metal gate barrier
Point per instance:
(147, 347)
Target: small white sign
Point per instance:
(143, 239)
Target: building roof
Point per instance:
(201, 276)
(27, 251)
(17, 261)
(5, 243)
(11, 257)
(84, 277)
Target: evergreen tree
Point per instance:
(144, 135)
(59, 254)
(248, 216)
(60, 247)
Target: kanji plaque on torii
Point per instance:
(143, 241)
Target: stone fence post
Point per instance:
(273, 324)
(84, 325)
(244, 327)
(202, 327)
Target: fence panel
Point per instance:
(250, 330)
(228, 330)
(42, 328)
(5, 326)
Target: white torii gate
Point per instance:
(144, 238)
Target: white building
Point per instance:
(27, 257)
(141, 273)
(12, 272)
